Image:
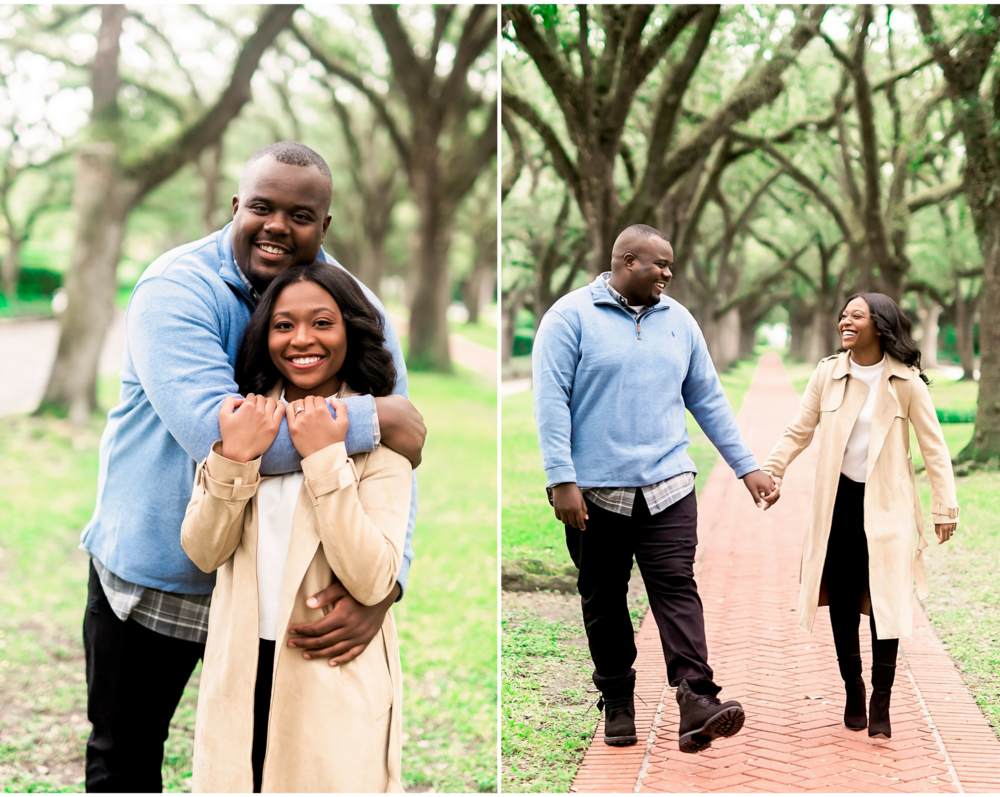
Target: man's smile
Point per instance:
(271, 249)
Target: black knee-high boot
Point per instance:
(845, 639)
(883, 675)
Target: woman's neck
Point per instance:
(328, 388)
(870, 356)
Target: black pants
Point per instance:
(261, 709)
(135, 679)
(845, 573)
(664, 547)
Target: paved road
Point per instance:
(29, 349)
(794, 739)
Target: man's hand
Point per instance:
(343, 632)
(249, 432)
(311, 426)
(401, 426)
(761, 487)
(944, 531)
(571, 509)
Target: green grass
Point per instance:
(447, 621)
(26, 308)
(529, 527)
(548, 716)
(482, 333)
(964, 604)
(547, 688)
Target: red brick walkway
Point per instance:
(794, 739)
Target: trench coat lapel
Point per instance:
(886, 409)
(846, 412)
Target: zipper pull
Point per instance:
(638, 329)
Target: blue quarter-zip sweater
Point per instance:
(610, 393)
(184, 326)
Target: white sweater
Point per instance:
(855, 465)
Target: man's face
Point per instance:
(280, 218)
(648, 270)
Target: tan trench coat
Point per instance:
(331, 729)
(893, 517)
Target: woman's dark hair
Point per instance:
(894, 328)
(368, 366)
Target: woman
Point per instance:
(859, 554)
(269, 719)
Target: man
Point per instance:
(615, 365)
(147, 611)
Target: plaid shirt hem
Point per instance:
(659, 496)
(169, 613)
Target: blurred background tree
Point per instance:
(123, 131)
(793, 156)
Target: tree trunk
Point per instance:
(985, 443)
(371, 267)
(473, 292)
(964, 341)
(748, 337)
(512, 304)
(799, 321)
(210, 166)
(728, 340)
(929, 311)
(102, 199)
(11, 267)
(428, 348)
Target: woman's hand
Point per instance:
(311, 426)
(772, 499)
(248, 432)
(944, 531)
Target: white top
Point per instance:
(276, 499)
(855, 465)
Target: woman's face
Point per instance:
(307, 340)
(857, 329)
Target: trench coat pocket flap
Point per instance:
(833, 395)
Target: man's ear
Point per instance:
(236, 204)
(628, 259)
(326, 226)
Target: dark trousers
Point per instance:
(845, 573)
(135, 679)
(664, 547)
(261, 709)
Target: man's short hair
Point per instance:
(644, 231)
(292, 153)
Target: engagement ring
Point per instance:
(299, 409)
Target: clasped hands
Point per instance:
(250, 430)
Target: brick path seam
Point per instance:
(794, 739)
